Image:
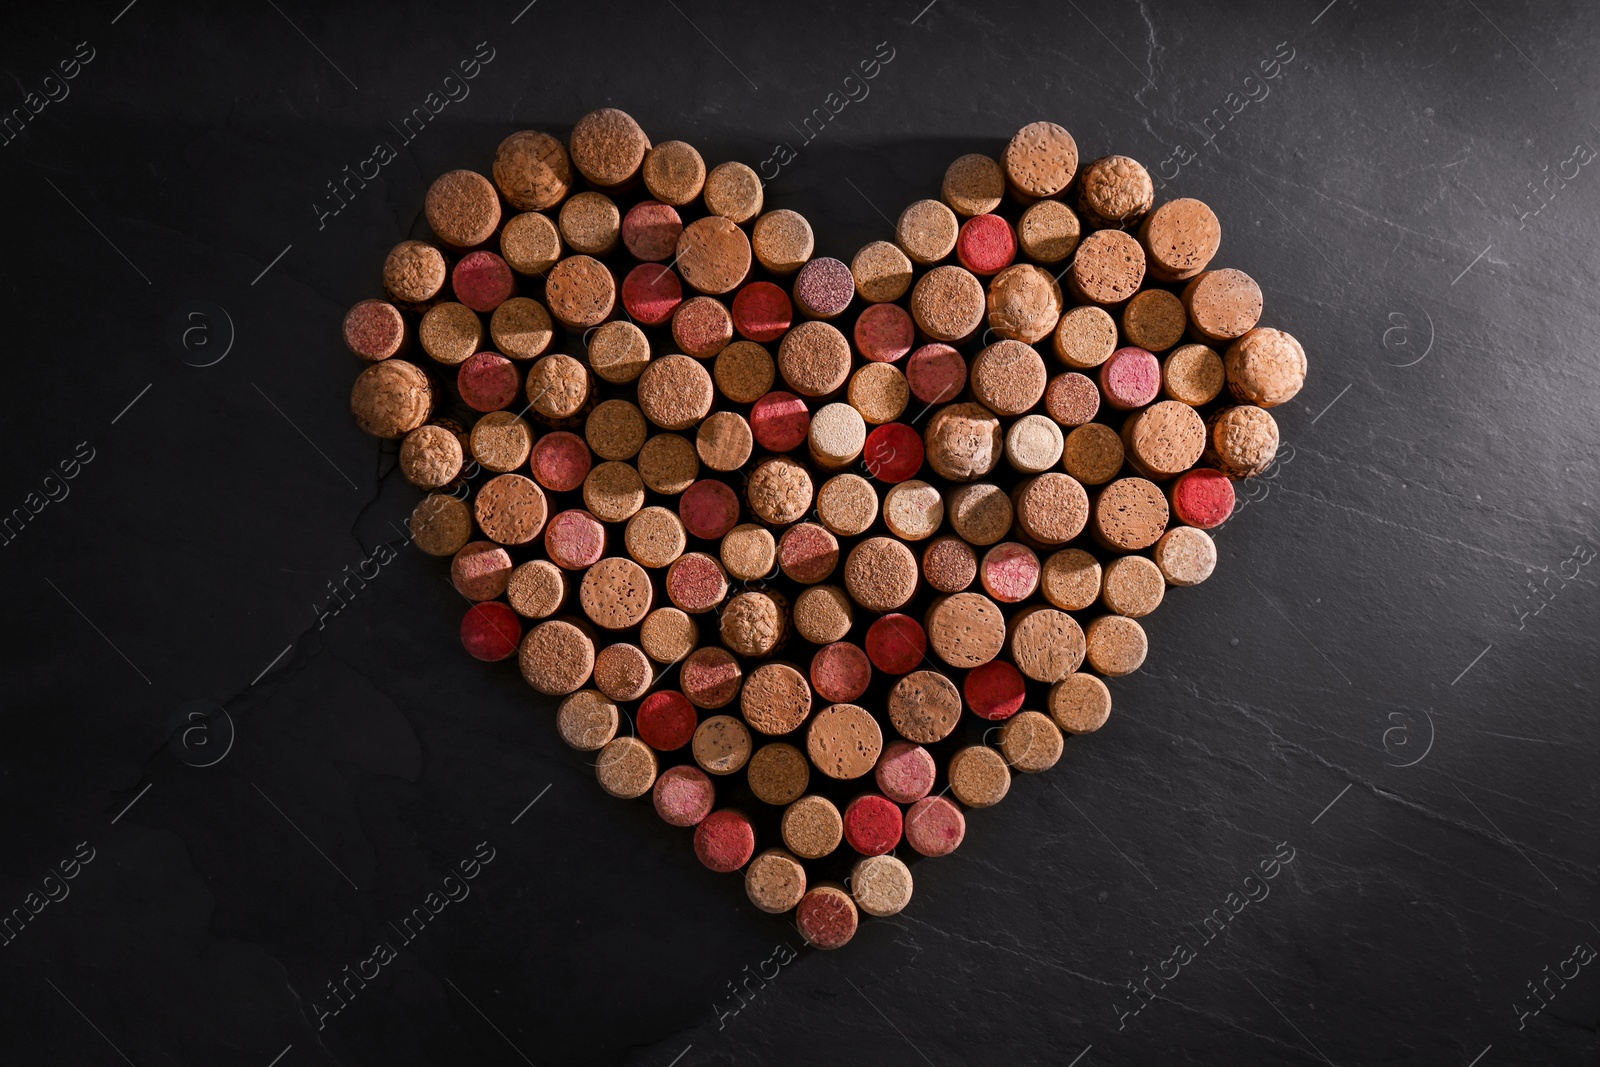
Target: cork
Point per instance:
(710, 678)
(879, 391)
(936, 373)
(778, 774)
(1201, 497)
(1265, 367)
(668, 464)
(675, 392)
(696, 583)
(683, 796)
(667, 635)
(779, 491)
(618, 352)
(724, 442)
(837, 435)
(979, 777)
(748, 552)
(847, 504)
(651, 294)
(1034, 444)
(702, 327)
(1085, 337)
(913, 510)
(881, 272)
(1051, 508)
(1108, 268)
(814, 358)
(463, 208)
(812, 827)
(615, 594)
(622, 671)
(580, 292)
(626, 768)
(531, 243)
(1071, 579)
(823, 288)
(775, 881)
(608, 147)
(392, 398)
(1008, 377)
(1114, 191)
(881, 574)
(896, 643)
(430, 457)
(374, 330)
(1048, 232)
(733, 191)
(510, 509)
(613, 492)
(926, 231)
(776, 699)
(1185, 555)
(872, 824)
(1222, 304)
(881, 885)
(935, 826)
(948, 303)
(725, 840)
(1193, 375)
(1040, 160)
(480, 570)
(560, 461)
(1164, 440)
(782, 241)
(587, 720)
(762, 312)
(1133, 586)
(1115, 645)
(905, 772)
(755, 623)
(482, 281)
(521, 328)
(414, 273)
(808, 553)
(557, 658)
(440, 525)
(994, 690)
(1009, 572)
(1154, 319)
(674, 173)
(981, 513)
(574, 540)
(924, 707)
(964, 442)
(822, 614)
(844, 741)
(1024, 304)
(1241, 441)
(986, 245)
(1179, 239)
(973, 185)
(532, 170)
(591, 224)
(1093, 453)
(840, 672)
(490, 631)
(450, 332)
(884, 333)
(893, 453)
(488, 382)
(949, 564)
(537, 589)
(965, 630)
(744, 372)
(721, 745)
(1030, 742)
(713, 255)
(1080, 703)
(650, 231)
(1045, 644)
(1129, 514)
(780, 421)
(615, 430)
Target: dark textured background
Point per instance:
(1369, 641)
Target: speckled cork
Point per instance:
(812, 827)
(782, 241)
(936, 373)
(463, 208)
(884, 332)
(1051, 508)
(414, 273)
(590, 224)
(1164, 439)
(531, 243)
(1133, 586)
(1179, 239)
(721, 745)
(733, 191)
(1071, 579)
(882, 272)
(840, 672)
(622, 671)
(926, 231)
(374, 330)
(1241, 441)
(1202, 497)
(1072, 399)
(879, 391)
(775, 881)
(744, 372)
(779, 491)
(776, 699)
(668, 463)
(1034, 444)
(521, 328)
(881, 885)
(725, 840)
(391, 398)
(532, 170)
(1115, 645)
(558, 387)
(557, 658)
(980, 512)
(1185, 555)
(1093, 453)
(431, 457)
(1080, 703)
(1009, 572)
(615, 593)
(1040, 160)
(560, 461)
(979, 777)
(949, 564)
(675, 392)
(973, 185)
(1265, 367)
(683, 796)
(935, 826)
(753, 624)
(823, 288)
(510, 509)
(913, 510)
(814, 358)
(608, 147)
(808, 553)
(488, 382)
(822, 614)
(440, 525)
(844, 741)
(836, 436)
(626, 768)
(1008, 377)
(905, 772)
(580, 292)
(573, 540)
(1048, 232)
(1130, 379)
(881, 574)
(948, 303)
(995, 690)
(482, 281)
(480, 570)
(872, 824)
(1030, 742)
(748, 552)
(1024, 303)
(724, 441)
(964, 442)
(1222, 304)
(710, 677)
(450, 332)
(1154, 319)
(847, 504)
(778, 774)
(702, 326)
(615, 430)
(1193, 375)
(618, 352)
(587, 720)
(1114, 191)
(1046, 644)
(667, 635)
(965, 630)
(713, 255)
(696, 583)
(1129, 514)
(674, 173)
(1085, 337)
(537, 589)
(1108, 269)
(986, 245)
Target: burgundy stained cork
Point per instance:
(1009, 572)
(651, 293)
(778, 774)
(775, 881)
(615, 430)
(1115, 645)
(558, 387)
(1093, 453)
(618, 352)
(450, 332)
(481, 570)
(1034, 444)
(1185, 555)
(1222, 304)
(812, 827)
(615, 593)
(626, 768)
(1030, 742)
(949, 564)
(713, 255)
(744, 371)
(964, 442)
(823, 288)
(986, 245)
(1108, 268)
(622, 671)
(440, 525)
(556, 658)
(748, 552)
(574, 540)
(1085, 337)
(710, 677)
(733, 191)
(935, 826)
(779, 491)
(1241, 441)
(881, 574)
(1048, 232)
(981, 513)
(995, 690)
(674, 172)
(510, 509)
(463, 208)
(762, 312)
(650, 230)
(1193, 374)
(414, 273)
(1040, 160)
(896, 644)
(884, 332)
(844, 741)
(591, 224)
(905, 772)
(1008, 377)
(668, 463)
(847, 504)
(822, 614)
(521, 328)
(1154, 319)
(893, 453)
(1045, 644)
(721, 745)
(537, 589)
(882, 272)
(925, 707)
(724, 441)
(1114, 191)
(1129, 514)
(1133, 586)
(702, 327)
(709, 509)
(531, 243)
(683, 796)
(755, 623)
(973, 184)
(814, 358)
(1265, 367)
(1024, 303)
(580, 292)
(696, 583)
(840, 672)
(667, 720)
(1080, 703)
(488, 382)
(1071, 579)
(782, 241)
(608, 147)
(1051, 508)
(490, 632)
(965, 630)
(979, 777)
(936, 374)
(1130, 379)
(879, 391)
(808, 553)
(776, 699)
(675, 392)
(780, 421)
(872, 824)
(837, 435)
(561, 461)
(725, 840)
(374, 330)
(1164, 439)
(500, 441)
(667, 635)
(532, 170)
(431, 456)
(1202, 497)
(391, 398)
(926, 231)
(587, 720)
(948, 304)
(1179, 239)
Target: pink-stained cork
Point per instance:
(711, 677)
(893, 452)
(702, 326)
(762, 312)
(696, 583)
(1202, 497)
(884, 332)
(481, 571)
(374, 330)
(840, 672)
(896, 643)
(1009, 572)
(905, 772)
(575, 540)
(725, 840)
(666, 720)
(995, 690)
(651, 293)
(650, 230)
(491, 631)
(488, 381)
(780, 422)
(936, 374)
(872, 824)
(1131, 378)
(709, 509)
(483, 281)
(935, 826)
(684, 796)
(808, 553)
(561, 461)
(827, 917)
(986, 245)
(824, 288)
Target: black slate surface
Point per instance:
(1390, 678)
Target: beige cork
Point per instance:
(558, 387)
(979, 777)
(1241, 441)
(587, 720)
(776, 699)
(1193, 375)
(451, 333)
(775, 881)
(822, 614)
(924, 707)
(744, 372)
(521, 328)
(556, 657)
(1034, 444)
(532, 170)
(501, 442)
(1093, 453)
(879, 391)
(1085, 337)
(847, 504)
(782, 241)
(696, 583)
(618, 352)
(1164, 439)
(748, 552)
(530, 243)
(753, 624)
(615, 593)
(1129, 514)
(608, 147)
(1108, 268)
(537, 589)
(778, 774)
(1265, 367)
(963, 442)
(1030, 742)
(668, 464)
(814, 358)
(613, 492)
(881, 574)
(1179, 239)
(1222, 304)
(713, 255)
(1008, 377)
(1071, 579)
(1080, 703)
(949, 564)
(430, 457)
(724, 441)
(580, 292)
(463, 208)
(965, 630)
(667, 635)
(733, 191)
(1154, 320)
(623, 672)
(880, 885)
(1114, 191)
(844, 741)
(1116, 645)
(1045, 644)
(392, 398)
(812, 827)
(1048, 232)
(779, 491)
(721, 745)
(913, 510)
(1041, 160)
(948, 303)
(414, 273)
(973, 185)
(510, 509)
(837, 435)
(710, 677)
(1133, 586)
(1186, 555)
(926, 231)
(882, 272)
(1051, 508)
(626, 768)
(591, 224)
(615, 430)
(441, 525)
(674, 173)
(675, 392)
(981, 513)
(1024, 304)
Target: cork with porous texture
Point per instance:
(926, 231)
(1080, 703)
(710, 677)
(626, 768)
(587, 720)
(905, 772)
(1115, 645)
(683, 796)
(965, 630)
(521, 328)
(1241, 441)
(721, 745)
(1164, 439)
(925, 707)
(374, 330)
(1179, 239)
(561, 461)
(880, 885)
(744, 372)
(1051, 508)
(440, 525)
(510, 509)
(1008, 377)
(882, 272)
(1024, 304)
(808, 553)
(879, 391)
(775, 881)
(973, 185)
(667, 635)
(1186, 556)
(776, 699)
(391, 398)
(615, 430)
(668, 463)
(480, 570)
(1222, 304)
(1129, 514)
(1085, 337)
(613, 492)
(840, 672)
(1114, 191)
(1040, 160)
(1265, 367)
(675, 392)
(430, 457)
(778, 774)
(1071, 579)
(754, 623)
(782, 241)
(935, 826)
(980, 512)
(1154, 320)
(532, 170)
(713, 255)
(556, 658)
(618, 352)
(748, 552)
(580, 292)
(913, 510)
(823, 288)
(948, 303)
(822, 614)
(881, 574)
(814, 358)
(530, 243)
(1108, 268)
(812, 827)
(615, 593)
(964, 442)
(674, 173)
(623, 672)
(1193, 375)
(1093, 453)
(696, 583)
(1030, 742)
(847, 504)
(574, 540)
(463, 208)
(414, 272)
(1046, 644)
(844, 741)
(451, 333)
(608, 147)
(1133, 586)
(537, 589)
(733, 191)
(837, 435)
(1048, 232)
(949, 564)
(979, 777)
(1034, 444)
(723, 441)
(702, 326)
(779, 491)
(591, 224)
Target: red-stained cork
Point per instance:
(872, 824)
(840, 672)
(1202, 497)
(702, 327)
(374, 329)
(651, 293)
(561, 461)
(896, 644)
(808, 553)
(650, 230)
(483, 281)
(987, 245)
(1072, 399)
(666, 720)
(488, 382)
(936, 374)
(780, 422)
(491, 631)
(684, 796)
(575, 540)
(1131, 378)
(709, 509)
(826, 917)
(824, 288)
(711, 677)
(935, 826)
(893, 452)
(725, 840)
(762, 312)
(995, 690)
(905, 772)
(884, 332)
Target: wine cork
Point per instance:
(482, 281)
(450, 332)
(1052, 508)
(986, 245)
(1129, 514)
(1080, 703)
(532, 170)
(1071, 579)
(1193, 375)
(979, 777)
(480, 570)
(1154, 319)
(615, 430)
(748, 552)
(733, 191)
(1045, 644)
(675, 392)
(650, 231)
(590, 224)
(560, 461)
(926, 231)
(1164, 440)
(1048, 232)
(1092, 453)
(814, 358)
(936, 374)
(755, 623)
(1241, 441)
(973, 185)
(837, 435)
(881, 885)
(557, 387)
(713, 255)
(724, 441)
(1133, 586)
(1024, 304)
(812, 827)
(683, 796)
(537, 589)
(994, 690)
(1030, 742)
(721, 745)
(847, 504)
(574, 540)
(725, 840)
(778, 774)
(1009, 572)
(1040, 160)
(651, 294)
(823, 288)
(808, 553)
(710, 677)
(608, 147)
(964, 442)
(1008, 377)
(615, 593)
(935, 826)
(674, 173)
(744, 372)
(1072, 399)
(1265, 367)
(1179, 239)
(893, 453)
(775, 881)
(896, 644)
(587, 720)
(613, 492)
(822, 614)
(488, 382)
(392, 398)
(580, 292)
(840, 672)
(913, 510)
(925, 707)
(531, 243)
(981, 513)
(884, 332)
(1085, 337)
(556, 658)
(462, 207)
(949, 564)
(1034, 444)
(1115, 645)
(440, 525)
(374, 330)
(1185, 555)
(782, 241)
(667, 635)
(626, 768)
(1114, 191)
(762, 312)
(881, 271)
(948, 304)
(623, 672)
(702, 327)
(965, 630)
(780, 421)
(1201, 497)
(1108, 268)
(881, 574)
(490, 631)
(618, 352)
(696, 583)
(1222, 304)
(779, 491)
(521, 328)
(844, 741)
(905, 772)
(510, 509)
(414, 273)
(872, 824)
(776, 699)
(668, 464)
(879, 391)
(430, 457)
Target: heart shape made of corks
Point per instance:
(799, 544)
